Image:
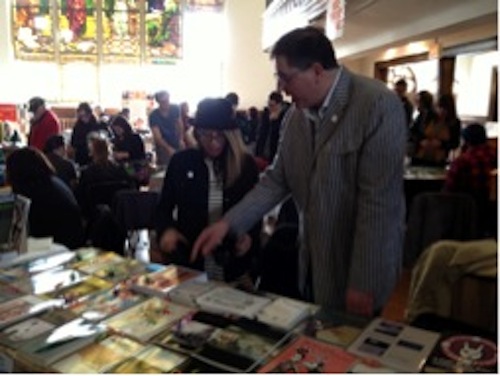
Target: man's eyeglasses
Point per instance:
(286, 78)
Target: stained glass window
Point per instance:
(99, 30)
(163, 30)
(33, 29)
(77, 30)
(121, 30)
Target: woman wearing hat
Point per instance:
(200, 185)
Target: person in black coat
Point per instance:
(127, 145)
(54, 211)
(202, 184)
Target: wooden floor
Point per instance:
(395, 308)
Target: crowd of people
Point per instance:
(335, 152)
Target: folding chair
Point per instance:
(134, 211)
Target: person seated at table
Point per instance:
(471, 171)
(54, 211)
(127, 145)
(100, 170)
(55, 151)
(200, 185)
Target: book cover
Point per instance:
(102, 259)
(161, 282)
(152, 359)
(54, 279)
(9, 291)
(340, 335)
(284, 313)
(16, 335)
(186, 335)
(307, 355)
(186, 293)
(85, 287)
(20, 308)
(193, 365)
(463, 353)
(147, 319)
(97, 356)
(228, 300)
(237, 348)
(106, 303)
(396, 345)
(119, 271)
(62, 341)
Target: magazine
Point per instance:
(94, 358)
(307, 355)
(396, 345)
(54, 279)
(119, 271)
(463, 353)
(147, 319)
(9, 291)
(340, 335)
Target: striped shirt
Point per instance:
(215, 201)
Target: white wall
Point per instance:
(247, 69)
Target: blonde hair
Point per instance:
(235, 157)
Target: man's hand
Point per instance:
(359, 303)
(170, 239)
(209, 239)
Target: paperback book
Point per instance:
(85, 287)
(62, 341)
(186, 293)
(20, 308)
(54, 280)
(237, 348)
(18, 334)
(307, 355)
(161, 282)
(229, 300)
(106, 303)
(340, 335)
(398, 346)
(98, 356)
(152, 359)
(284, 313)
(9, 291)
(119, 271)
(187, 335)
(101, 260)
(147, 319)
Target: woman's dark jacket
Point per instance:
(186, 188)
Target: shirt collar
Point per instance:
(313, 115)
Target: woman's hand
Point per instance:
(243, 245)
(169, 240)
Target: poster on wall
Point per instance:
(8, 112)
(335, 16)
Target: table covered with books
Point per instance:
(91, 311)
